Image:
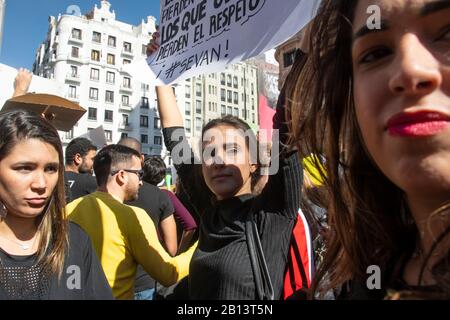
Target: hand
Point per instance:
(22, 82)
(153, 45)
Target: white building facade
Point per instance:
(87, 53)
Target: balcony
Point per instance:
(126, 126)
(125, 107)
(73, 97)
(76, 40)
(126, 88)
(127, 53)
(73, 77)
(77, 59)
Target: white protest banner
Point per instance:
(203, 36)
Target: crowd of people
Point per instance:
(363, 183)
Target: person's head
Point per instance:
(80, 154)
(118, 169)
(32, 182)
(154, 170)
(375, 100)
(229, 165)
(132, 143)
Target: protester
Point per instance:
(375, 102)
(124, 236)
(80, 154)
(159, 207)
(38, 246)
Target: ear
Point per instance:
(121, 178)
(78, 159)
(253, 167)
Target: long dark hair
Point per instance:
(370, 222)
(16, 126)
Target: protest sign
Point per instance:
(203, 36)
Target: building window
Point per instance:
(156, 123)
(110, 77)
(96, 37)
(126, 100)
(187, 124)
(253, 104)
(223, 110)
(188, 92)
(253, 117)
(144, 122)
(95, 74)
(69, 135)
(73, 92)
(235, 82)
(198, 90)
(229, 110)
(75, 52)
(198, 107)
(236, 98)
(127, 47)
(158, 141)
(253, 88)
(222, 79)
(108, 116)
(289, 58)
(229, 96)
(144, 138)
(112, 41)
(126, 61)
(76, 34)
(92, 114)
(229, 84)
(236, 112)
(126, 82)
(223, 95)
(74, 71)
(95, 55)
(108, 135)
(124, 135)
(109, 96)
(144, 49)
(144, 103)
(111, 59)
(93, 94)
(198, 124)
(145, 87)
(125, 120)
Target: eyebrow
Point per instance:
(435, 6)
(365, 30)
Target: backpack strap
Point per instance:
(263, 283)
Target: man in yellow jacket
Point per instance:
(124, 236)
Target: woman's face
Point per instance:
(227, 165)
(402, 92)
(28, 176)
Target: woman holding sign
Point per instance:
(244, 239)
(376, 103)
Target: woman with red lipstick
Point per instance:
(42, 255)
(376, 103)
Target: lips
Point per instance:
(418, 124)
(36, 201)
(221, 176)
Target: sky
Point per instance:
(26, 23)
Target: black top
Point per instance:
(82, 276)
(220, 268)
(78, 185)
(158, 206)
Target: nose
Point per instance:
(417, 71)
(39, 182)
